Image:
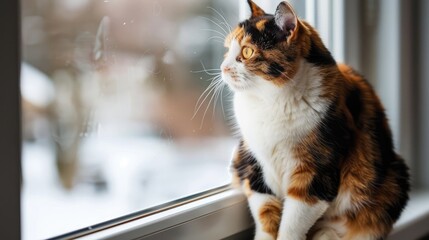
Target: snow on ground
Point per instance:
(133, 174)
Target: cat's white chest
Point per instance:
(272, 120)
(271, 131)
(270, 137)
(262, 125)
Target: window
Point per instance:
(115, 117)
(96, 49)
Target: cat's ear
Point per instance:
(255, 9)
(286, 19)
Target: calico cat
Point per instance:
(316, 158)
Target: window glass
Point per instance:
(115, 117)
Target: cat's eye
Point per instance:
(247, 52)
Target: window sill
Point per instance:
(414, 221)
(226, 215)
(216, 217)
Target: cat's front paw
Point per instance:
(260, 235)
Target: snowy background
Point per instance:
(110, 93)
(133, 174)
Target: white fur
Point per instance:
(298, 217)
(365, 237)
(238, 78)
(234, 51)
(326, 234)
(344, 202)
(256, 201)
(272, 119)
(327, 225)
(341, 204)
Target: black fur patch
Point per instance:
(383, 136)
(383, 144)
(354, 105)
(335, 136)
(248, 168)
(290, 58)
(326, 183)
(269, 37)
(319, 56)
(402, 180)
(275, 69)
(387, 162)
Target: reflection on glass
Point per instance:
(110, 91)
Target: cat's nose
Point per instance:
(226, 69)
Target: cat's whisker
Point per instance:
(207, 108)
(216, 38)
(217, 76)
(303, 97)
(223, 24)
(214, 74)
(207, 91)
(214, 31)
(211, 89)
(217, 24)
(204, 95)
(224, 19)
(221, 101)
(206, 71)
(294, 83)
(210, 72)
(217, 93)
(287, 77)
(215, 101)
(227, 26)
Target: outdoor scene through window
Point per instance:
(114, 120)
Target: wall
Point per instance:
(423, 93)
(9, 121)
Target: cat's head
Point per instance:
(266, 50)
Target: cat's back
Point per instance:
(372, 174)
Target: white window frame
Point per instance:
(221, 215)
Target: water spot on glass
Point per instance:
(124, 23)
(169, 57)
(101, 38)
(201, 78)
(132, 21)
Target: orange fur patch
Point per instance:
(246, 188)
(256, 10)
(270, 217)
(261, 25)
